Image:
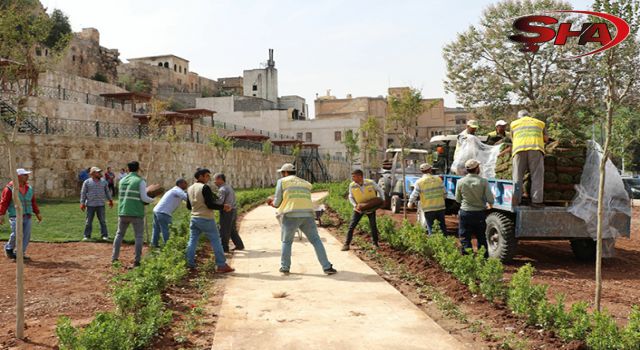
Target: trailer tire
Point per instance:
(395, 204)
(501, 237)
(584, 249)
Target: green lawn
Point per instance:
(62, 220)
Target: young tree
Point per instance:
(23, 30)
(485, 69)
(372, 133)
(618, 69)
(404, 110)
(223, 145)
(351, 144)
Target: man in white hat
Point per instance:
(29, 207)
(95, 191)
(294, 204)
(432, 194)
(529, 137)
(475, 197)
(499, 134)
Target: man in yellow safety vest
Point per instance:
(293, 201)
(362, 190)
(431, 191)
(529, 137)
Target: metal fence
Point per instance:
(36, 125)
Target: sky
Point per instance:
(351, 46)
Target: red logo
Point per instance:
(590, 32)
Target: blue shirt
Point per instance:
(170, 201)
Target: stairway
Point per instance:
(8, 115)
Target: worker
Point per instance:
(295, 208)
(27, 196)
(362, 190)
(431, 191)
(500, 134)
(472, 127)
(475, 197)
(529, 137)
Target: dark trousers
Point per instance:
(431, 216)
(229, 230)
(88, 226)
(355, 219)
(472, 223)
(112, 188)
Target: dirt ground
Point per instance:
(61, 279)
(556, 266)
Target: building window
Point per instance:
(337, 136)
(166, 65)
(298, 135)
(254, 88)
(73, 58)
(175, 68)
(179, 81)
(159, 64)
(308, 137)
(180, 69)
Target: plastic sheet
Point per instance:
(616, 198)
(473, 148)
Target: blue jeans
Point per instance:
(88, 226)
(473, 222)
(161, 222)
(26, 234)
(210, 229)
(308, 226)
(431, 216)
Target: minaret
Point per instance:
(271, 79)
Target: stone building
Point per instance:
(169, 77)
(86, 58)
(230, 86)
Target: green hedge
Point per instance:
(140, 312)
(486, 276)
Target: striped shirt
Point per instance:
(94, 193)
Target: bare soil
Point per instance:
(69, 279)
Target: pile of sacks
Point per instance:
(563, 164)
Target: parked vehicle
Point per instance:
(632, 185)
(391, 179)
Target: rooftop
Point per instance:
(155, 57)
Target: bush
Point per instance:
(631, 333)
(577, 324)
(525, 297)
(605, 334)
(491, 275)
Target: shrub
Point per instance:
(631, 333)
(491, 275)
(605, 334)
(525, 297)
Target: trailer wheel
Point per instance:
(584, 249)
(395, 204)
(501, 237)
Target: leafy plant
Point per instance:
(524, 296)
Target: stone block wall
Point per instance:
(57, 160)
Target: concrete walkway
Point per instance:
(354, 309)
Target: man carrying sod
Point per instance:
(431, 191)
(365, 196)
(293, 201)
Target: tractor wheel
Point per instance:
(395, 204)
(501, 237)
(584, 249)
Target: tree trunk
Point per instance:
(404, 180)
(10, 143)
(603, 163)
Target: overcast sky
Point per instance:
(358, 47)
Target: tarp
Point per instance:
(616, 198)
(472, 148)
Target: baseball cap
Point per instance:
(501, 122)
(21, 171)
(425, 166)
(472, 123)
(287, 167)
(471, 164)
(95, 169)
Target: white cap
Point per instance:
(21, 171)
(95, 169)
(523, 113)
(287, 167)
(472, 123)
(501, 122)
(471, 164)
(425, 166)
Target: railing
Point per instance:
(234, 127)
(36, 125)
